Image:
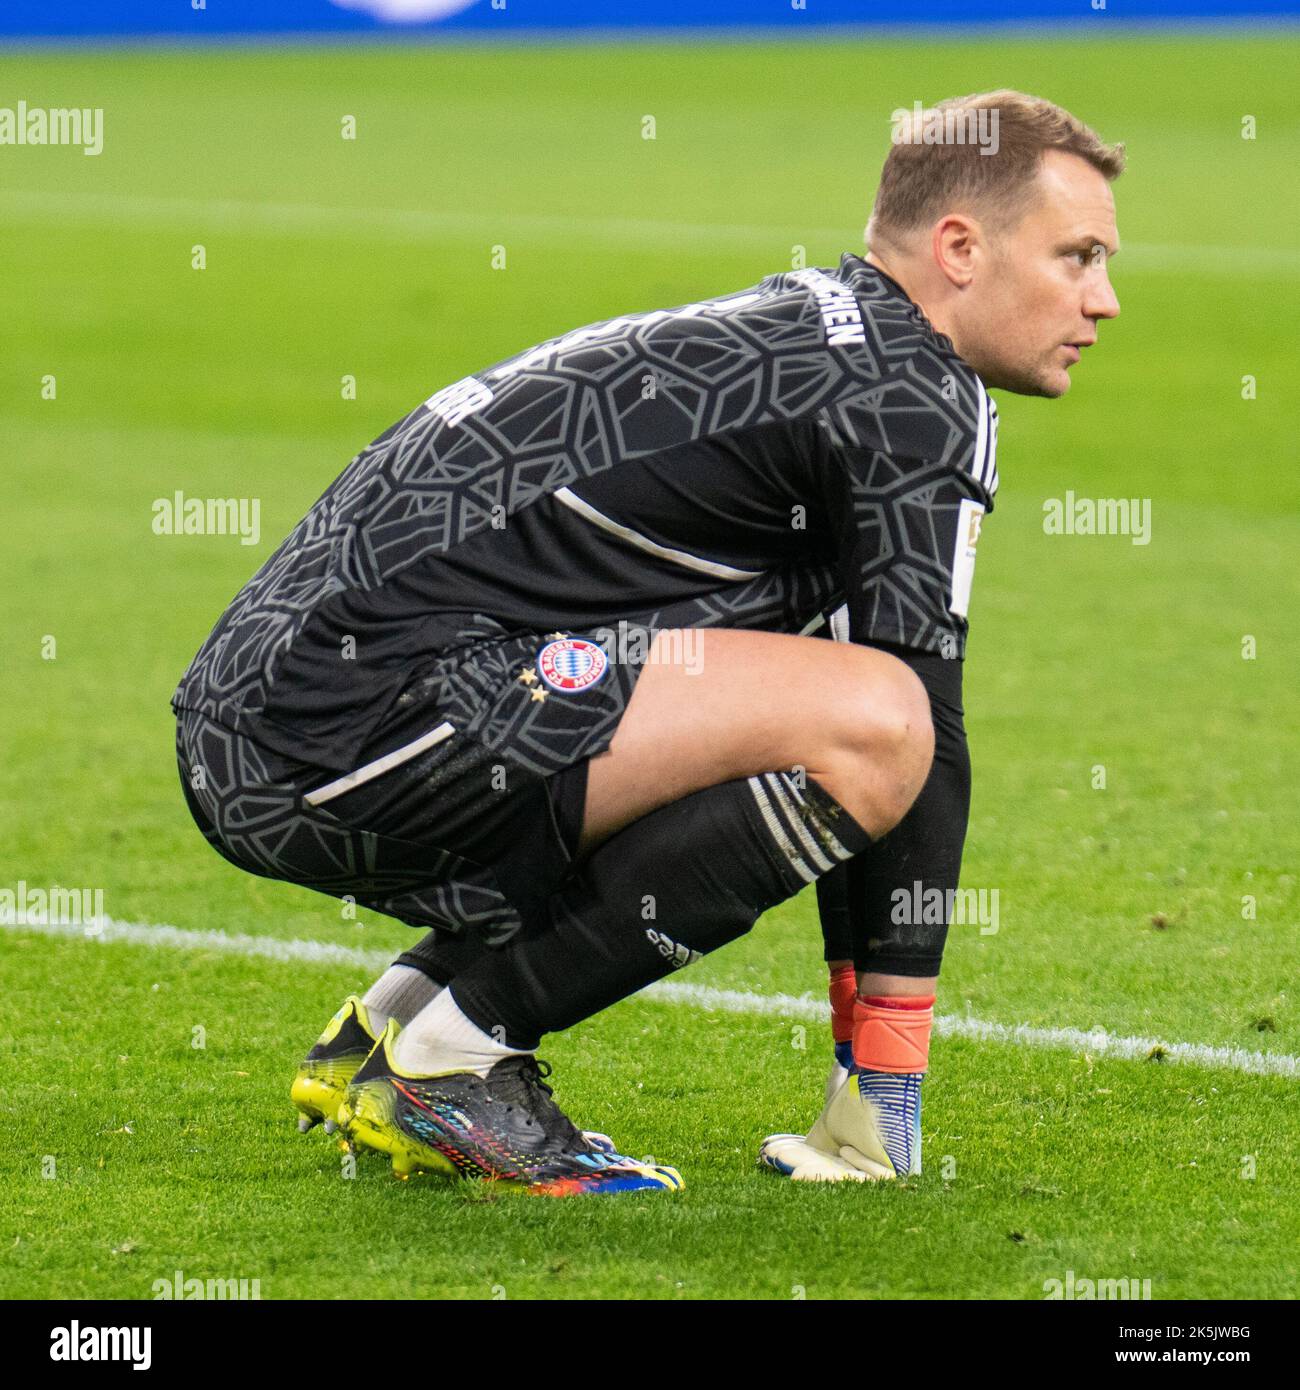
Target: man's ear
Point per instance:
(955, 243)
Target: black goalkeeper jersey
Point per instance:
(816, 419)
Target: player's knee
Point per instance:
(888, 714)
(891, 735)
(904, 776)
(916, 732)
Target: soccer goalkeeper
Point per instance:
(540, 671)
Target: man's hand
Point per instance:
(870, 1125)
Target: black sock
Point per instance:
(833, 909)
(442, 956)
(666, 890)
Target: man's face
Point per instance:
(1041, 287)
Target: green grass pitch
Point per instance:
(1162, 904)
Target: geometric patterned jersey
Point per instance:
(814, 420)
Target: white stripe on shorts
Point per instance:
(370, 771)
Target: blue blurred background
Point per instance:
(205, 19)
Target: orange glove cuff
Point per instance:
(892, 1033)
(844, 990)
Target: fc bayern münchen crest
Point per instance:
(571, 664)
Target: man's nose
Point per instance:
(1102, 302)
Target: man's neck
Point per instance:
(902, 275)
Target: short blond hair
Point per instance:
(922, 181)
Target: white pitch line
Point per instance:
(228, 943)
(405, 225)
(1097, 1043)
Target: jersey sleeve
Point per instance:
(905, 498)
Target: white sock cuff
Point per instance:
(400, 993)
(440, 1038)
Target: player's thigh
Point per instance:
(749, 702)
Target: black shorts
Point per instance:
(436, 826)
(464, 813)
